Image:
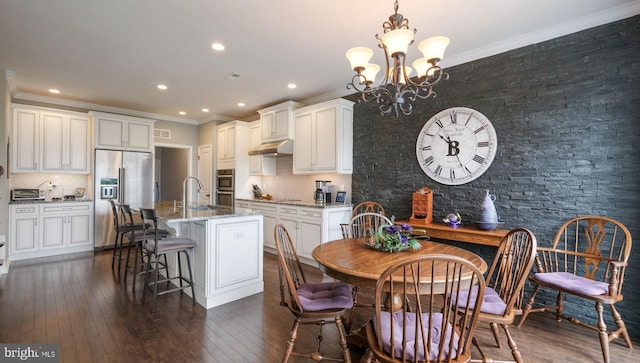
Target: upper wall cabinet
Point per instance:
(276, 122)
(233, 146)
(323, 138)
(120, 132)
(49, 141)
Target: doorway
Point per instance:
(172, 166)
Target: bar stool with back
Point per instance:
(157, 246)
(136, 237)
(120, 228)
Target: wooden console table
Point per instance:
(461, 234)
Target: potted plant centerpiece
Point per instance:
(393, 238)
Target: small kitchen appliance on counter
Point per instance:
(21, 194)
(323, 191)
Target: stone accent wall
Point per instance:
(567, 116)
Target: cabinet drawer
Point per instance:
(311, 213)
(288, 211)
(32, 209)
(242, 204)
(57, 208)
(264, 207)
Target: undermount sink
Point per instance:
(202, 207)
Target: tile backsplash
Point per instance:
(62, 184)
(287, 185)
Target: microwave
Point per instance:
(27, 194)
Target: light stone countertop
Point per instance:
(165, 211)
(295, 202)
(42, 201)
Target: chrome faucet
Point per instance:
(184, 189)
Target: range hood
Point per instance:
(284, 147)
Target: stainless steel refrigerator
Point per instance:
(127, 178)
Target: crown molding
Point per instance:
(95, 107)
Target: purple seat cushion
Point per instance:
(436, 331)
(492, 303)
(570, 282)
(170, 245)
(325, 295)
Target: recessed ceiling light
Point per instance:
(217, 46)
(205, 110)
(182, 113)
(241, 104)
(292, 85)
(53, 90)
(162, 87)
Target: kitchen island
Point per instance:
(227, 260)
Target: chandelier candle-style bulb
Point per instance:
(397, 41)
(359, 57)
(433, 49)
(397, 90)
(370, 72)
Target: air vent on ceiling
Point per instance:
(233, 75)
(162, 134)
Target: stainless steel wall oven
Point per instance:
(225, 187)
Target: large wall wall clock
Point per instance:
(456, 146)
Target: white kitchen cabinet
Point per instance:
(269, 217)
(304, 226)
(119, 132)
(39, 230)
(66, 225)
(276, 122)
(307, 226)
(227, 143)
(233, 147)
(24, 232)
(65, 143)
(49, 141)
(323, 138)
(258, 164)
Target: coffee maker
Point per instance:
(323, 191)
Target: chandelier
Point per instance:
(397, 89)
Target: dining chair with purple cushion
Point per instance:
(588, 260)
(310, 303)
(432, 329)
(505, 282)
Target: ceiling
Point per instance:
(110, 55)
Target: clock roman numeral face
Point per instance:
(456, 146)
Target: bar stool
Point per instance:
(136, 237)
(120, 228)
(157, 247)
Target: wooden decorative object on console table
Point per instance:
(422, 207)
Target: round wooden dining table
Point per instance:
(350, 260)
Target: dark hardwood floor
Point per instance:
(77, 302)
